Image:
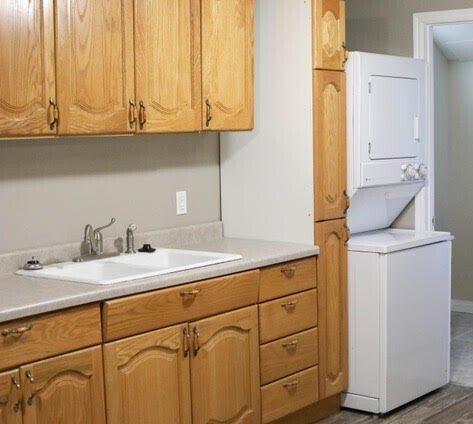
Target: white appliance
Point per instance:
(385, 132)
(399, 317)
(398, 280)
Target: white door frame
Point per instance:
(424, 49)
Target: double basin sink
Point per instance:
(126, 267)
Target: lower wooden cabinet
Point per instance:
(332, 306)
(66, 389)
(207, 369)
(10, 397)
(147, 378)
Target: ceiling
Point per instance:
(455, 41)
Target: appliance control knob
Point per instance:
(416, 167)
(403, 168)
(411, 172)
(422, 170)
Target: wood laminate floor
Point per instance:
(452, 404)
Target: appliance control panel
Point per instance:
(413, 172)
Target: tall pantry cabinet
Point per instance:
(286, 180)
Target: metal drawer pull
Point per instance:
(196, 341)
(291, 384)
(15, 383)
(289, 305)
(193, 293)
(187, 336)
(293, 343)
(288, 271)
(19, 330)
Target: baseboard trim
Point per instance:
(462, 306)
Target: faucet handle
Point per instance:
(132, 227)
(112, 221)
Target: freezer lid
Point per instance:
(393, 239)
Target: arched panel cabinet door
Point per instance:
(331, 237)
(227, 64)
(330, 172)
(64, 389)
(225, 368)
(27, 80)
(328, 34)
(147, 378)
(95, 67)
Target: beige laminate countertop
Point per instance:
(22, 296)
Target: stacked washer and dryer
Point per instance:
(399, 280)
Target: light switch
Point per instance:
(181, 202)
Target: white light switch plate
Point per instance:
(181, 202)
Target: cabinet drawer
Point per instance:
(149, 311)
(288, 355)
(50, 334)
(287, 315)
(286, 278)
(289, 394)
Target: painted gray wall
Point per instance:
(385, 26)
(50, 189)
(460, 169)
(441, 103)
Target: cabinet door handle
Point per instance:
(196, 341)
(289, 305)
(345, 53)
(132, 113)
(288, 271)
(208, 112)
(291, 384)
(17, 406)
(187, 337)
(142, 114)
(290, 344)
(190, 293)
(53, 114)
(18, 330)
(29, 376)
(15, 383)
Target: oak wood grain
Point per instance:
(10, 397)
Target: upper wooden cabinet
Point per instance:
(227, 64)
(330, 172)
(167, 63)
(27, 68)
(328, 34)
(95, 68)
(332, 306)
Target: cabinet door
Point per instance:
(328, 34)
(95, 69)
(167, 63)
(329, 145)
(26, 67)
(225, 369)
(227, 64)
(10, 397)
(332, 307)
(147, 378)
(67, 389)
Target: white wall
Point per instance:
(460, 184)
(50, 189)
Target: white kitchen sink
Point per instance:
(122, 268)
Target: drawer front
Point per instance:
(288, 355)
(289, 394)
(287, 315)
(289, 277)
(149, 311)
(50, 334)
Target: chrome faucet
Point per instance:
(130, 239)
(94, 239)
